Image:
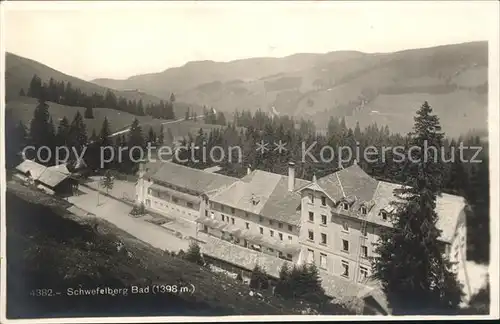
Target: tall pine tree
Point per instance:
(41, 129)
(411, 266)
(105, 133)
(77, 133)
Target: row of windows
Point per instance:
(345, 225)
(363, 271)
(261, 229)
(261, 219)
(271, 233)
(345, 243)
(345, 206)
(253, 246)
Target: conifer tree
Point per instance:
(411, 266)
(105, 133)
(135, 146)
(151, 136)
(62, 132)
(193, 254)
(16, 137)
(259, 279)
(94, 136)
(77, 133)
(41, 129)
(89, 114)
(169, 110)
(35, 87)
(21, 93)
(160, 135)
(478, 197)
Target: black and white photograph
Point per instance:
(201, 161)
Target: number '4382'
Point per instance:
(41, 293)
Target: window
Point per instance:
(212, 215)
(289, 237)
(345, 206)
(289, 256)
(363, 273)
(280, 225)
(311, 235)
(280, 236)
(261, 230)
(322, 260)
(260, 219)
(311, 198)
(345, 227)
(310, 256)
(206, 213)
(222, 208)
(345, 245)
(290, 228)
(149, 191)
(311, 217)
(223, 218)
(189, 205)
(246, 215)
(323, 201)
(205, 228)
(364, 251)
(232, 220)
(247, 225)
(323, 238)
(364, 230)
(232, 211)
(363, 210)
(270, 250)
(270, 222)
(345, 268)
(271, 233)
(323, 219)
(383, 213)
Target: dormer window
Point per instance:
(364, 210)
(345, 206)
(383, 213)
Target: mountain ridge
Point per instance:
(385, 88)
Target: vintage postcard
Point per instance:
(227, 161)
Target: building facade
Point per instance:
(333, 222)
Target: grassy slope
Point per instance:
(20, 70)
(60, 232)
(398, 82)
(23, 108)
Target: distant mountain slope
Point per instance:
(20, 70)
(193, 74)
(453, 78)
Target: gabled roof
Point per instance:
(35, 169)
(270, 191)
(353, 182)
(50, 176)
(188, 178)
(349, 182)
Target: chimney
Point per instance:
(291, 176)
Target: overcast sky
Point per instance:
(118, 40)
